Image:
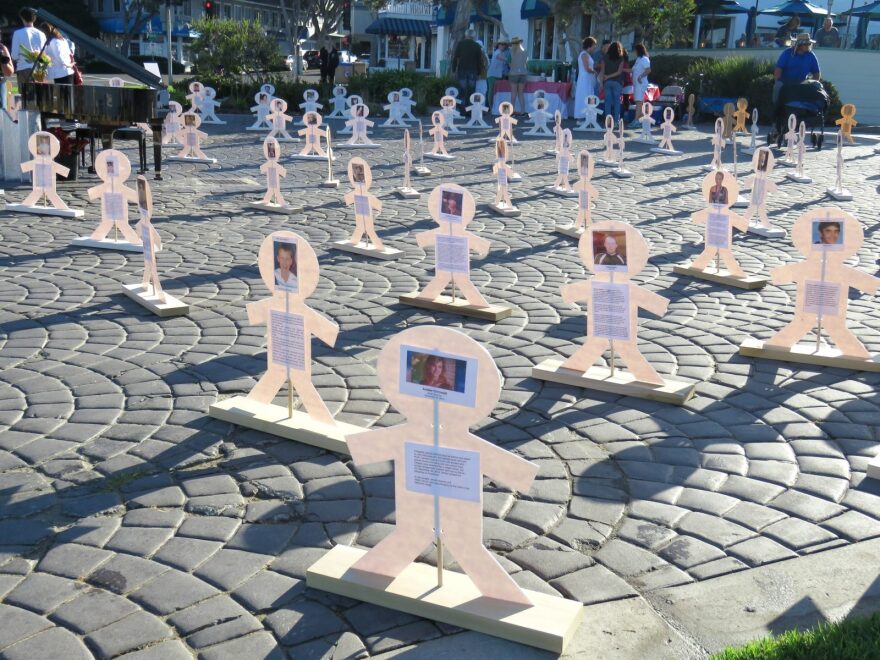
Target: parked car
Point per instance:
(345, 57)
(290, 60)
(313, 59)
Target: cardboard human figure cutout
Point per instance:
(562, 186)
(761, 186)
(610, 142)
(114, 168)
(449, 111)
(311, 136)
(365, 204)
(195, 97)
(827, 237)
(586, 192)
(406, 191)
(426, 373)
(353, 101)
(506, 122)
(172, 125)
(359, 125)
(209, 105)
(846, 121)
(310, 104)
(274, 171)
(741, 115)
(690, 112)
(728, 121)
(192, 141)
(330, 182)
(150, 239)
(719, 190)
(557, 134)
(791, 136)
(289, 269)
(407, 105)
(453, 92)
(838, 191)
(539, 117)
(44, 147)
(755, 132)
(718, 144)
(668, 127)
(502, 205)
(421, 169)
(261, 111)
(591, 115)
(620, 171)
(278, 120)
(798, 175)
(477, 108)
(439, 133)
(452, 208)
(394, 110)
(647, 121)
(339, 102)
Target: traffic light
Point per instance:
(208, 6)
(346, 15)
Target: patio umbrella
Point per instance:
(800, 8)
(866, 14)
(713, 8)
(751, 25)
(862, 32)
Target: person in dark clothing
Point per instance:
(468, 63)
(324, 59)
(332, 63)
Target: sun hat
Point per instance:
(516, 40)
(804, 39)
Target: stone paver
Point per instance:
(134, 526)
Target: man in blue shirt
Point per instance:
(795, 64)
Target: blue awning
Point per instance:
(533, 9)
(400, 26)
(446, 15)
(117, 25)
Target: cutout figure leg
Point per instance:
(53, 197)
(358, 230)
(436, 286)
(586, 356)
(269, 385)
(730, 261)
(129, 233)
(398, 550)
(312, 401)
(704, 259)
(102, 229)
(374, 238)
(843, 337)
(637, 363)
(33, 198)
(151, 276)
(793, 332)
(469, 291)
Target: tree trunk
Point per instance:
(456, 31)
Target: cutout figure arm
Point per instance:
(575, 292)
(700, 217)
(258, 311)
(28, 166)
(375, 204)
(264, 168)
(478, 244)
(95, 191)
(785, 274)
(349, 198)
(862, 281)
(505, 467)
(130, 194)
(322, 327)
(739, 222)
(303, 131)
(426, 239)
(376, 445)
(653, 302)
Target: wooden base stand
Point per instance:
(422, 171)
(407, 193)
(562, 192)
(459, 306)
(806, 353)
(874, 468)
(550, 152)
(606, 163)
(273, 419)
(839, 194)
(440, 156)
(291, 140)
(45, 210)
(310, 157)
(107, 244)
(172, 145)
(274, 208)
(711, 168)
(367, 250)
(767, 232)
(622, 173)
(722, 277)
(549, 623)
(798, 179)
(741, 202)
(569, 231)
(187, 159)
(217, 122)
(642, 140)
(588, 130)
(258, 128)
(506, 211)
(330, 183)
(785, 163)
(348, 145)
(171, 307)
(674, 391)
(666, 152)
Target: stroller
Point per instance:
(808, 101)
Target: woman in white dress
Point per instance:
(60, 69)
(586, 80)
(641, 69)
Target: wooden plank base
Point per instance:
(258, 128)
(806, 353)
(675, 391)
(622, 173)
(874, 468)
(506, 211)
(187, 159)
(367, 250)
(606, 163)
(839, 194)
(666, 152)
(569, 231)
(309, 157)
(799, 179)
(273, 419)
(460, 306)
(45, 210)
(722, 277)
(407, 193)
(171, 307)
(562, 192)
(274, 208)
(422, 171)
(107, 244)
(741, 202)
(440, 156)
(330, 183)
(550, 623)
(349, 145)
(767, 232)
(785, 163)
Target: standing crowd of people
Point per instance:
(607, 71)
(28, 42)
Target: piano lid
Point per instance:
(94, 46)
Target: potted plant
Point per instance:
(68, 156)
(40, 63)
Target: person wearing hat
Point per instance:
(28, 38)
(519, 72)
(468, 63)
(499, 65)
(795, 64)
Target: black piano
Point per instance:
(106, 110)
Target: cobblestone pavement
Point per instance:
(133, 525)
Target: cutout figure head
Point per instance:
(609, 122)
(506, 108)
(742, 104)
(668, 114)
(437, 118)
(360, 110)
(451, 204)
(278, 106)
(451, 91)
(44, 144)
(618, 241)
(720, 189)
(394, 97)
(271, 149)
(195, 87)
(112, 163)
(647, 109)
(719, 126)
(313, 119)
(145, 198)
(430, 362)
(339, 91)
(557, 118)
(447, 102)
(754, 115)
(477, 98)
(267, 89)
(566, 139)
(192, 119)
(174, 108)
(406, 93)
(539, 103)
(792, 123)
(831, 231)
(354, 100)
(210, 92)
(292, 255)
(262, 98)
(763, 161)
(359, 173)
(592, 100)
(585, 165)
(847, 110)
(310, 95)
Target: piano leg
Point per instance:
(156, 125)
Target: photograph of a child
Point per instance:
(270, 149)
(142, 195)
(763, 155)
(718, 193)
(451, 205)
(584, 165)
(111, 167)
(359, 110)
(312, 119)
(828, 235)
(395, 98)
(609, 251)
(285, 265)
(432, 374)
(357, 173)
(42, 145)
(189, 120)
(264, 98)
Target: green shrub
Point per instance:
(375, 87)
(671, 69)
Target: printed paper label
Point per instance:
(502, 177)
(452, 254)
(361, 205)
(272, 175)
(288, 340)
(444, 472)
(822, 297)
(191, 139)
(43, 175)
(610, 311)
(114, 206)
(718, 230)
(584, 200)
(563, 165)
(146, 239)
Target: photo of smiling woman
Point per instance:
(285, 266)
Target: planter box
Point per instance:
(72, 163)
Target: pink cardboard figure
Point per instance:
(273, 200)
(741, 115)
(754, 133)
(192, 137)
(439, 133)
(278, 119)
(647, 121)
(610, 142)
(208, 107)
(352, 101)
(361, 178)
(506, 122)
(502, 205)
(195, 97)
(453, 92)
(761, 186)
(717, 147)
(557, 134)
(791, 137)
(44, 147)
(406, 191)
(666, 147)
(798, 175)
(263, 98)
(838, 192)
(562, 186)
(827, 237)
(586, 192)
(394, 110)
(477, 108)
(450, 112)
(311, 134)
(846, 121)
(539, 117)
(358, 125)
(620, 171)
(340, 103)
(172, 125)
(591, 115)
(113, 168)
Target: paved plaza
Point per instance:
(133, 525)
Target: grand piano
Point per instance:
(104, 109)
